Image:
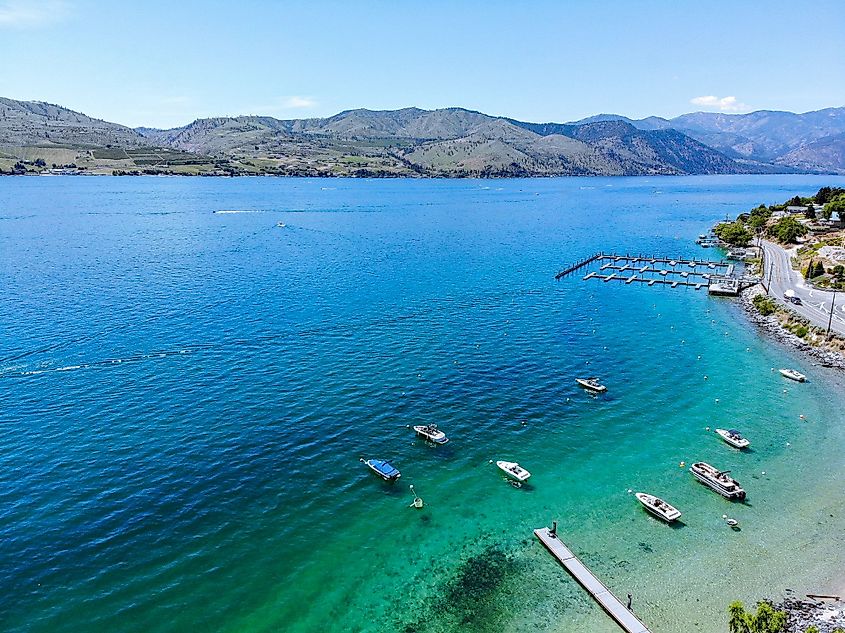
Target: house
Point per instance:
(833, 253)
(836, 221)
(795, 210)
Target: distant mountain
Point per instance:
(763, 135)
(446, 142)
(764, 140)
(825, 155)
(648, 123)
(455, 141)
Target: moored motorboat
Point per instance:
(431, 433)
(658, 507)
(513, 470)
(733, 437)
(382, 468)
(718, 480)
(793, 375)
(591, 384)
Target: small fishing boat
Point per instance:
(431, 433)
(793, 375)
(513, 470)
(658, 507)
(718, 480)
(281, 225)
(733, 437)
(591, 384)
(382, 468)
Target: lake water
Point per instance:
(185, 394)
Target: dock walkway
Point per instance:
(610, 603)
(718, 277)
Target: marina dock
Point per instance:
(623, 616)
(719, 277)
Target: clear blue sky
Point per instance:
(164, 63)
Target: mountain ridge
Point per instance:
(440, 143)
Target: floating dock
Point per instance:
(717, 276)
(624, 617)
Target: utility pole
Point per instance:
(830, 319)
(769, 284)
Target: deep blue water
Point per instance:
(186, 388)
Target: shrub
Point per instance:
(765, 305)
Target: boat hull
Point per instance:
(735, 494)
(513, 470)
(386, 476)
(796, 376)
(591, 387)
(668, 513)
(437, 438)
(736, 443)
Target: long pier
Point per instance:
(624, 617)
(579, 264)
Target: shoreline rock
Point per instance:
(772, 327)
(802, 613)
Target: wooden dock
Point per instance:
(624, 617)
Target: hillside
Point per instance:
(28, 123)
(764, 140)
(450, 142)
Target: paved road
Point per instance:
(815, 304)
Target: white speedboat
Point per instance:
(658, 507)
(281, 225)
(793, 375)
(382, 468)
(718, 480)
(733, 437)
(513, 470)
(591, 384)
(431, 433)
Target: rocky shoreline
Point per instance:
(827, 616)
(772, 326)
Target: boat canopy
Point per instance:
(384, 467)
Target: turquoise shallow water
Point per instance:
(185, 395)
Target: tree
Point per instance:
(811, 268)
(794, 202)
(738, 619)
(819, 269)
(836, 204)
(810, 213)
(823, 195)
(787, 230)
(766, 620)
(839, 271)
(826, 194)
(759, 216)
(734, 233)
